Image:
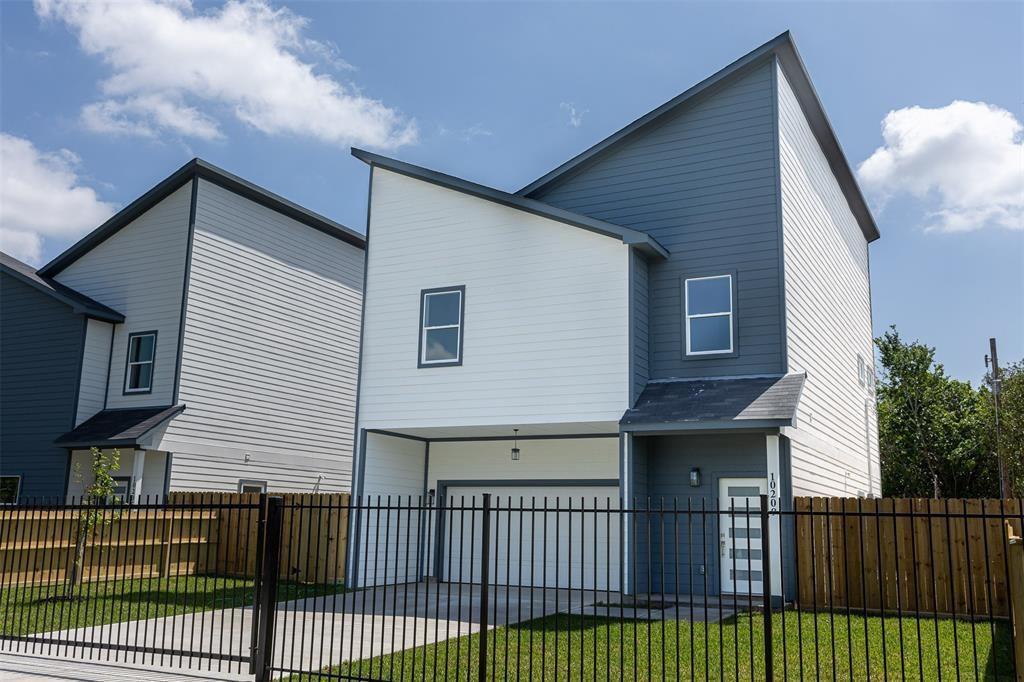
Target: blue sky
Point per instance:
(502, 93)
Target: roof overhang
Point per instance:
(125, 427)
(641, 241)
(78, 302)
(197, 168)
(715, 404)
(782, 48)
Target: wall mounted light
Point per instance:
(694, 477)
(515, 445)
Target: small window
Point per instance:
(441, 326)
(709, 325)
(247, 486)
(139, 371)
(862, 370)
(122, 489)
(10, 486)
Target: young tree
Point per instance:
(100, 492)
(934, 433)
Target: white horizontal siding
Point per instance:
(828, 315)
(140, 271)
(92, 387)
(389, 543)
(546, 313)
(270, 351)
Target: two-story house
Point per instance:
(682, 310)
(209, 331)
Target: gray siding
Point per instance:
(271, 342)
(828, 317)
(640, 338)
(668, 469)
(92, 392)
(704, 184)
(37, 402)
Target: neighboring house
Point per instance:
(209, 331)
(682, 310)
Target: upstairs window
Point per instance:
(139, 371)
(441, 313)
(709, 315)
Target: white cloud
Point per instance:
(245, 59)
(466, 134)
(967, 156)
(41, 196)
(575, 115)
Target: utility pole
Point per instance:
(992, 360)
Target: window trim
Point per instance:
(17, 488)
(128, 363)
(461, 290)
(242, 482)
(732, 350)
(128, 481)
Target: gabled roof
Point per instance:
(113, 428)
(80, 303)
(784, 49)
(641, 240)
(207, 171)
(752, 402)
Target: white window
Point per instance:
(10, 486)
(862, 370)
(441, 312)
(139, 370)
(709, 315)
(248, 486)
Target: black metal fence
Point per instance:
(539, 588)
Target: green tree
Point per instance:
(1011, 423)
(935, 432)
(99, 492)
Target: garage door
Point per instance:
(540, 536)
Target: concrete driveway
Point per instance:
(310, 634)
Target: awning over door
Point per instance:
(119, 428)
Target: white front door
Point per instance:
(740, 561)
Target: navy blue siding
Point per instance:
(40, 356)
(669, 460)
(704, 183)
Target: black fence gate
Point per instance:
(537, 588)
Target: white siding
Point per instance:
(828, 316)
(140, 271)
(92, 388)
(270, 351)
(394, 472)
(546, 313)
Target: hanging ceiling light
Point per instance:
(515, 445)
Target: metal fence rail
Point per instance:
(539, 588)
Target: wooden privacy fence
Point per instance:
(948, 556)
(314, 536)
(38, 546)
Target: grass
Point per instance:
(576, 647)
(28, 610)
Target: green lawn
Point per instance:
(30, 610)
(588, 648)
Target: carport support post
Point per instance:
(485, 551)
(271, 560)
(766, 561)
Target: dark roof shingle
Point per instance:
(764, 400)
(118, 427)
(80, 303)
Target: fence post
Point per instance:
(1015, 545)
(485, 551)
(766, 562)
(267, 598)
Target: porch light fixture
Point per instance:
(694, 477)
(515, 445)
